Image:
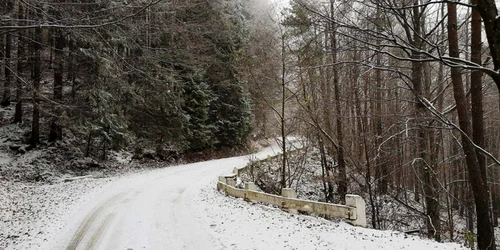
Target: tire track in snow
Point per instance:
(99, 220)
(97, 234)
(87, 223)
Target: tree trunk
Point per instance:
(326, 107)
(477, 91)
(489, 13)
(342, 181)
(8, 70)
(485, 233)
(55, 133)
(478, 127)
(37, 64)
(424, 136)
(324, 170)
(381, 170)
(363, 124)
(89, 145)
(71, 75)
(496, 196)
(2, 55)
(282, 118)
(21, 54)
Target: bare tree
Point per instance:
(486, 236)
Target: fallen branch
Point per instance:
(77, 178)
(414, 231)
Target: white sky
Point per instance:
(267, 6)
(280, 3)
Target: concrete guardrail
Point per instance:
(353, 211)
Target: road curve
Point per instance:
(150, 211)
(179, 208)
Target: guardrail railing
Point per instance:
(353, 211)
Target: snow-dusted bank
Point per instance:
(179, 208)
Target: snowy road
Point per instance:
(178, 208)
(150, 211)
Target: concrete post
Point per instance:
(250, 186)
(231, 181)
(289, 193)
(222, 179)
(357, 202)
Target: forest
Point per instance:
(399, 97)
(114, 73)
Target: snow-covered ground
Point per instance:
(171, 208)
(33, 214)
(239, 225)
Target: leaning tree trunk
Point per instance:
(485, 233)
